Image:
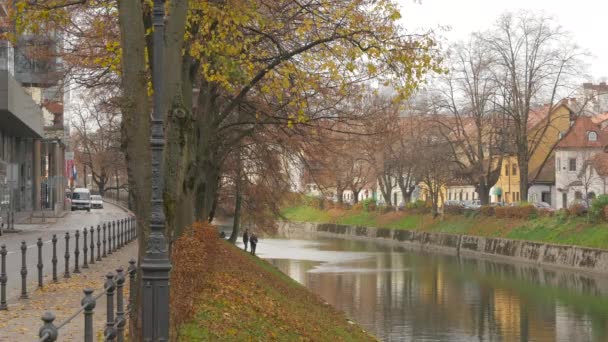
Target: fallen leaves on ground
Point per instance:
(226, 294)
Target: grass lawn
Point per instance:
(571, 231)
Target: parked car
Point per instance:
(582, 203)
(96, 202)
(544, 206)
(453, 203)
(81, 199)
(474, 204)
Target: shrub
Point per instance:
(525, 211)
(453, 209)
(369, 204)
(577, 209)
(470, 212)
(545, 213)
(487, 210)
(598, 206)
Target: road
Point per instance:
(30, 233)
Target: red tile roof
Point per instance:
(54, 107)
(577, 136)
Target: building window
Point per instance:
(507, 170)
(592, 136)
(558, 164)
(578, 195)
(514, 170)
(449, 196)
(560, 135)
(572, 164)
(467, 196)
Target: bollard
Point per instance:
(109, 238)
(66, 274)
(104, 241)
(119, 233)
(48, 332)
(122, 233)
(23, 271)
(85, 263)
(132, 270)
(120, 309)
(92, 246)
(54, 259)
(88, 302)
(109, 332)
(3, 278)
(113, 236)
(98, 243)
(39, 243)
(76, 253)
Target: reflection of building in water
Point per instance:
(570, 326)
(507, 312)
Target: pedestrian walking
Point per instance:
(246, 238)
(254, 242)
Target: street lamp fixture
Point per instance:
(156, 264)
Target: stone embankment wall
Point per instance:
(574, 257)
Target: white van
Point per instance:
(81, 199)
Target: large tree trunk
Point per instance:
(356, 196)
(484, 193)
(238, 200)
(523, 179)
(136, 128)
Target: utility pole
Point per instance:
(156, 264)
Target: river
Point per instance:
(404, 295)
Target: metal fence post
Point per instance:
(48, 328)
(85, 258)
(122, 233)
(104, 240)
(23, 271)
(132, 270)
(109, 286)
(114, 236)
(92, 245)
(98, 243)
(66, 274)
(89, 304)
(54, 259)
(109, 238)
(3, 278)
(39, 244)
(76, 253)
(120, 308)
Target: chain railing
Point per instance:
(116, 319)
(121, 233)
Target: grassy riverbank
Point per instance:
(226, 294)
(555, 229)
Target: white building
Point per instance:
(579, 161)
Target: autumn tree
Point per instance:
(96, 138)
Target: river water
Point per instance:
(403, 295)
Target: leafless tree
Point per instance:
(467, 118)
(535, 59)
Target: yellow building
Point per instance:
(545, 129)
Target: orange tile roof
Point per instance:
(577, 135)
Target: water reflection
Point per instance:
(401, 295)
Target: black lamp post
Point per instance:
(156, 264)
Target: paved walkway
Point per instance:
(22, 321)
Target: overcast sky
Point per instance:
(586, 20)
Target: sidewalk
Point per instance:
(22, 320)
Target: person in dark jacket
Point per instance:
(254, 242)
(246, 238)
